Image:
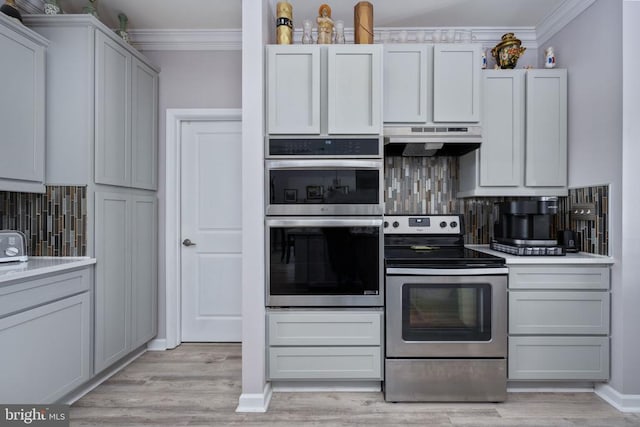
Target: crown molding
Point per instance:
(556, 20)
(186, 39)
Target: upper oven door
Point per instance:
(295, 147)
(447, 316)
(324, 262)
(324, 187)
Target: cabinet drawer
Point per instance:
(33, 292)
(46, 351)
(559, 277)
(558, 358)
(325, 363)
(325, 328)
(559, 312)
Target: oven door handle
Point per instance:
(447, 271)
(324, 222)
(323, 164)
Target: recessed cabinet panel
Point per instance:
(405, 83)
(546, 155)
(558, 277)
(456, 83)
(113, 94)
(354, 80)
(21, 112)
(502, 149)
(144, 126)
(293, 89)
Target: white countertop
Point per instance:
(40, 265)
(570, 258)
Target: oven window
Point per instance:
(324, 186)
(446, 312)
(311, 261)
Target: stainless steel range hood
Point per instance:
(431, 140)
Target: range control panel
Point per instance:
(423, 224)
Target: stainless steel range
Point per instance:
(446, 313)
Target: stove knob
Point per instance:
(396, 224)
(386, 224)
(453, 224)
(443, 224)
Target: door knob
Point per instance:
(188, 242)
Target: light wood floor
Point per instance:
(199, 385)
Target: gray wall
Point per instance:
(191, 79)
(590, 47)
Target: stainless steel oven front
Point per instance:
(324, 187)
(447, 313)
(324, 262)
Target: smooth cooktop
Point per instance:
(419, 256)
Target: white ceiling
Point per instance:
(227, 14)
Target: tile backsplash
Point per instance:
(55, 223)
(428, 185)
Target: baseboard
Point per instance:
(94, 382)
(622, 402)
(255, 402)
(159, 344)
(326, 386)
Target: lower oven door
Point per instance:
(458, 313)
(322, 262)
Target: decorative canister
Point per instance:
(508, 51)
(9, 8)
(122, 31)
(363, 23)
(91, 9)
(284, 23)
(549, 58)
(483, 59)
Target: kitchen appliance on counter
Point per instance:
(446, 313)
(13, 246)
(524, 227)
(568, 239)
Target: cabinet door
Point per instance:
(546, 153)
(21, 113)
(354, 89)
(405, 83)
(144, 126)
(113, 278)
(144, 277)
(293, 89)
(502, 149)
(456, 83)
(46, 351)
(113, 115)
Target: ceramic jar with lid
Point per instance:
(507, 52)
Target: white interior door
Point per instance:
(211, 231)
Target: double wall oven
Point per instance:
(446, 314)
(324, 223)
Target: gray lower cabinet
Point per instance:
(325, 344)
(126, 274)
(22, 107)
(45, 328)
(559, 322)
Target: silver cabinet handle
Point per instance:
(188, 242)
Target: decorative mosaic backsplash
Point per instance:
(593, 235)
(55, 223)
(428, 185)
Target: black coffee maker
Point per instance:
(526, 222)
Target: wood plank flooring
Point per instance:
(199, 385)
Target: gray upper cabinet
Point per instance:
(102, 105)
(456, 83)
(22, 109)
(324, 90)
(432, 84)
(524, 145)
(405, 83)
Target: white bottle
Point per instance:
(483, 59)
(549, 58)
